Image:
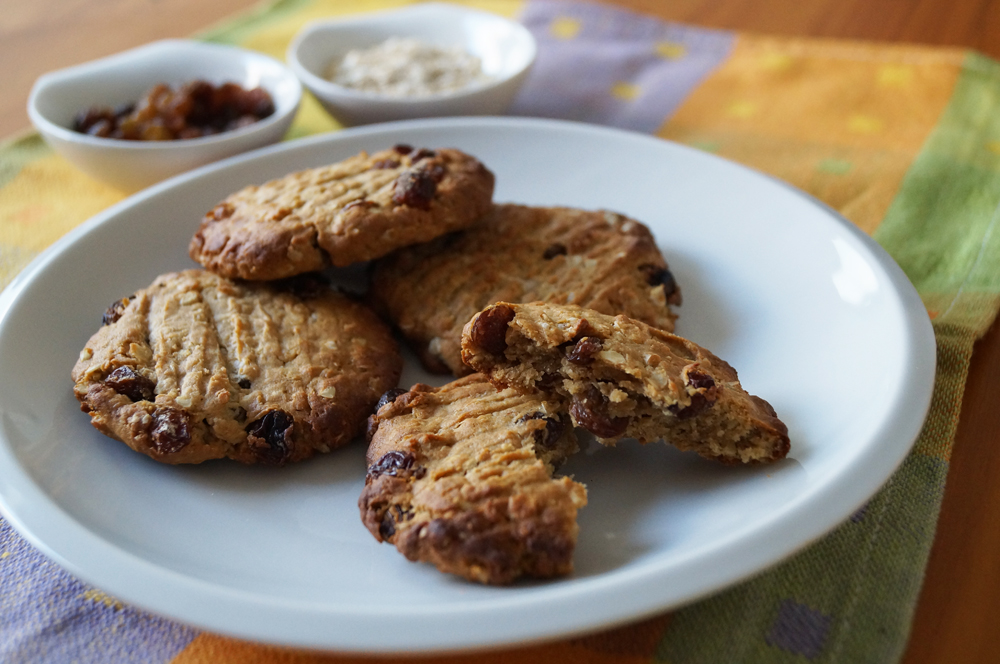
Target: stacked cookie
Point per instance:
(598, 260)
(552, 319)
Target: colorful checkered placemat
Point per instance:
(903, 140)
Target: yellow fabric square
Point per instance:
(865, 124)
(565, 27)
(896, 75)
(671, 50)
(742, 108)
(47, 199)
(626, 91)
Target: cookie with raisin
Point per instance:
(620, 378)
(595, 259)
(198, 367)
(461, 476)
(352, 211)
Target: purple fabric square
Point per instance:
(46, 615)
(576, 75)
(799, 629)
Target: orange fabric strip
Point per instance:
(841, 120)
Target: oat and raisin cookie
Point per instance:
(622, 378)
(352, 211)
(595, 259)
(199, 367)
(461, 476)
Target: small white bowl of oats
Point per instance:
(427, 60)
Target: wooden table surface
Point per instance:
(957, 614)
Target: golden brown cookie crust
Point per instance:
(461, 477)
(622, 378)
(358, 209)
(597, 259)
(198, 367)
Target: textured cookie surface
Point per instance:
(198, 367)
(595, 259)
(352, 211)
(461, 477)
(623, 378)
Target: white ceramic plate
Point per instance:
(815, 316)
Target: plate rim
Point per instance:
(622, 585)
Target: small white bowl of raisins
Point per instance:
(141, 116)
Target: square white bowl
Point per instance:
(125, 77)
(506, 49)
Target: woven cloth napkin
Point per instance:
(902, 140)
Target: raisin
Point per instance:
(389, 397)
(395, 464)
(125, 380)
(489, 330)
(371, 427)
(115, 311)
(656, 275)
(86, 120)
(584, 350)
(393, 514)
(200, 95)
(171, 431)
(440, 531)
(256, 102)
(387, 528)
(270, 436)
(699, 403)
(386, 163)
(403, 148)
(553, 250)
(548, 382)
(437, 172)
(423, 153)
(547, 437)
(244, 382)
(699, 380)
(591, 412)
(414, 188)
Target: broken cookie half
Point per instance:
(461, 476)
(621, 378)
